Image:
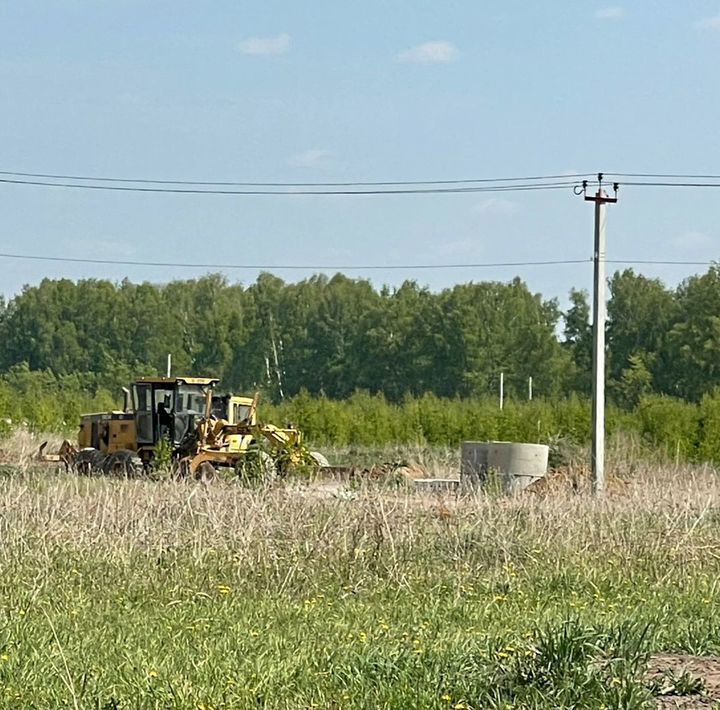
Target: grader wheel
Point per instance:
(205, 473)
(88, 461)
(123, 464)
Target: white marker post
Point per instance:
(502, 389)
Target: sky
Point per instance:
(324, 91)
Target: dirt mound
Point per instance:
(682, 681)
(574, 480)
(388, 470)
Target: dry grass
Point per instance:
(678, 503)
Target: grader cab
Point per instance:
(159, 412)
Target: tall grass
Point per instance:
(140, 594)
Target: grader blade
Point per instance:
(66, 454)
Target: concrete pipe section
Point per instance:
(511, 465)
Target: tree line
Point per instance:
(331, 337)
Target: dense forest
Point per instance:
(334, 336)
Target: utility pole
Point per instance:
(599, 311)
(530, 388)
(502, 389)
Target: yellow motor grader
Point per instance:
(181, 421)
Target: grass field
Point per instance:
(137, 594)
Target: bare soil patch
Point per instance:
(677, 674)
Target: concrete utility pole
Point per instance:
(530, 389)
(598, 363)
(502, 389)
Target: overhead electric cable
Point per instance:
(296, 267)
(341, 267)
(668, 176)
(660, 262)
(647, 183)
(521, 187)
(221, 183)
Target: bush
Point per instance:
(668, 423)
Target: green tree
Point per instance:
(691, 357)
(578, 343)
(640, 311)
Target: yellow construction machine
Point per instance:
(180, 421)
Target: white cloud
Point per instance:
(710, 23)
(263, 46)
(438, 51)
(313, 158)
(609, 13)
(693, 241)
(495, 205)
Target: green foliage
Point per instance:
(578, 342)
(353, 365)
(670, 424)
(330, 336)
(709, 445)
(635, 380)
(563, 665)
(677, 684)
(163, 455)
(692, 346)
(640, 313)
(47, 402)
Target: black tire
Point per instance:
(206, 473)
(88, 461)
(123, 464)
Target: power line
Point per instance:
(667, 184)
(668, 176)
(209, 183)
(521, 187)
(294, 267)
(659, 262)
(341, 267)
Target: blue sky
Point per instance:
(328, 91)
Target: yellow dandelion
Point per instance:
(446, 698)
(4, 657)
(152, 674)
